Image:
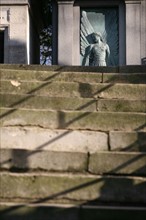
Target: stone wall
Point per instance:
(20, 31)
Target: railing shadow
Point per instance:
(31, 94)
(105, 183)
(138, 211)
(61, 115)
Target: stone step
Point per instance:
(72, 89)
(41, 159)
(71, 188)
(71, 76)
(32, 75)
(52, 103)
(120, 105)
(35, 138)
(15, 211)
(74, 103)
(117, 163)
(74, 120)
(99, 69)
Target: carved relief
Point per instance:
(95, 30)
(4, 16)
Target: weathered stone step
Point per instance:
(71, 188)
(73, 161)
(127, 141)
(46, 102)
(74, 103)
(100, 69)
(117, 163)
(85, 90)
(70, 76)
(33, 138)
(120, 105)
(73, 120)
(15, 211)
(31, 75)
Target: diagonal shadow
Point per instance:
(29, 93)
(83, 87)
(58, 70)
(63, 124)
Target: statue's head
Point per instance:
(96, 36)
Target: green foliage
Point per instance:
(46, 34)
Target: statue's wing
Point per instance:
(112, 38)
(86, 32)
(104, 36)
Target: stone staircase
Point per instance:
(73, 142)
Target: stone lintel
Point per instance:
(14, 2)
(65, 2)
(133, 1)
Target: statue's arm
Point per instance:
(86, 56)
(107, 50)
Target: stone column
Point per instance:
(143, 31)
(133, 32)
(65, 32)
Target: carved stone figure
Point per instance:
(94, 49)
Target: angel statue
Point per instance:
(94, 49)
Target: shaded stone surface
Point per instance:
(73, 89)
(117, 69)
(35, 75)
(120, 105)
(45, 102)
(127, 141)
(89, 76)
(61, 188)
(20, 159)
(73, 120)
(73, 124)
(40, 211)
(124, 78)
(118, 163)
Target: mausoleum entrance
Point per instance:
(120, 27)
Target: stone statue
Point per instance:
(94, 49)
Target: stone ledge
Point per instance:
(118, 163)
(14, 2)
(79, 189)
(20, 159)
(40, 211)
(74, 89)
(34, 75)
(48, 103)
(34, 139)
(116, 69)
(127, 141)
(85, 77)
(97, 121)
(120, 105)
(73, 103)
(99, 163)
(124, 78)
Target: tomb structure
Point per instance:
(121, 24)
(20, 22)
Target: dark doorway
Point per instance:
(1, 46)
